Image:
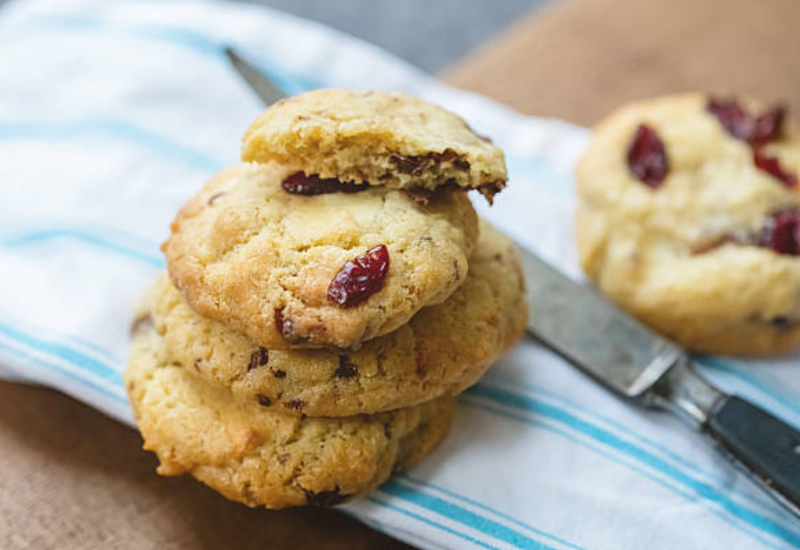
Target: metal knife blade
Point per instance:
(260, 84)
(588, 330)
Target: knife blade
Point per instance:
(626, 357)
(593, 334)
(258, 81)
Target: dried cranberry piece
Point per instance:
(755, 130)
(782, 232)
(769, 126)
(647, 158)
(736, 121)
(301, 184)
(772, 166)
(360, 278)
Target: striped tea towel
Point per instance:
(112, 114)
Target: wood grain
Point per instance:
(579, 59)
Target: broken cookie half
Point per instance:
(358, 139)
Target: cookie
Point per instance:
(374, 138)
(264, 458)
(689, 217)
(331, 270)
(443, 350)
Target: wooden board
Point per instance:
(579, 59)
(72, 478)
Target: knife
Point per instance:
(613, 348)
(626, 357)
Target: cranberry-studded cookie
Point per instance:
(330, 270)
(343, 138)
(689, 217)
(264, 458)
(441, 351)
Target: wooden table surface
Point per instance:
(71, 478)
(579, 59)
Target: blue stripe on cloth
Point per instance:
(465, 400)
(96, 348)
(83, 380)
(287, 80)
(765, 503)
(493, 378)
(432, 523)
(34, 237)
(700, 488)
(431, 486)
(65, 353)
(114, 362)
(457, 513)
(106, 126)
(81, 23)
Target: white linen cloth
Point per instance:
(112, 114)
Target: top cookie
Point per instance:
(689, 216)
(376, 138)
(332, 270)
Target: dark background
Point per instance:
(428, 33)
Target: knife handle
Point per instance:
(764, 445)
(759, 443)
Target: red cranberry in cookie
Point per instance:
(754, 129)
(360, 278)
(772, 166)
(782, 232)
(647, 158)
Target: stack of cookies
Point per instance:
(325, 301)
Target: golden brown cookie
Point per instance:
(689, 217)
(386, 139)
(264, 458)
(331, 270)
(443, 350)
